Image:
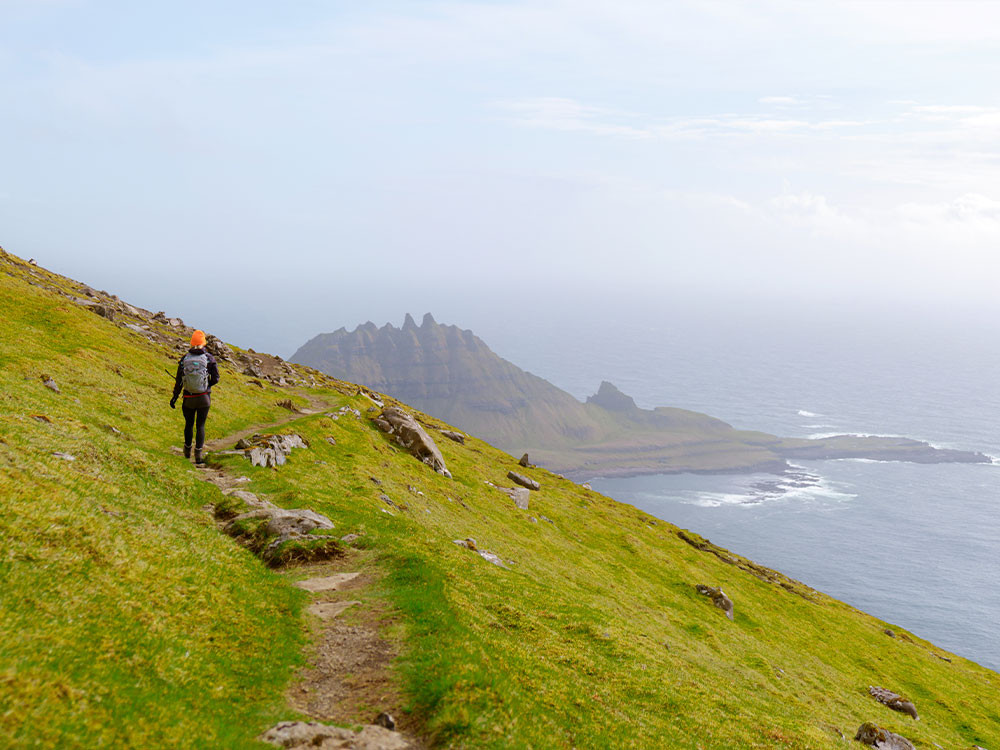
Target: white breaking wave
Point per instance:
(804, 413)
(799, 485)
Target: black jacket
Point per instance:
(213, 378)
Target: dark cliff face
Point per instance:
(451, 373)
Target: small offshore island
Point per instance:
(453, 374)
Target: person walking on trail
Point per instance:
(197, 372)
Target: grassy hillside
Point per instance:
(129, 620)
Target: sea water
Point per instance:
(915, 545)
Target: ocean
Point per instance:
(916, 545)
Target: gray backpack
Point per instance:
(195, 373)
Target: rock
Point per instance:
(524, 461)
(335, 582)
(253, 371)
(470, 544)
(877, 737)
(889, 633)
(894, 701)
(524, 481)
(458, 437)
(218, 348)
(270, 450)
(50, 384)
(586, 486)
(331, 440)
(266, 530)
(350, 538)
(385, 720)
(719, 598)
(41, 418)
(316, 736)
(287, 404)
(64, 456)
(413, 437)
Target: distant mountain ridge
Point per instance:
(451, 373)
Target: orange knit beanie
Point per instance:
(198, 339)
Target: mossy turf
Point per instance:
(130, 621)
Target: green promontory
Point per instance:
(131, 621)
(452, 374)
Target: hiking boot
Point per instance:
(187, 451)
(198, 456)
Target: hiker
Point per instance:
(196, 374)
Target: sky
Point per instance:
(269, 171)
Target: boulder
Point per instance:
(218, 348)
(385, 720)
(470, 544)
(266, 531)
(458, 437)
(880, 738)
(412, 436)
(525, 462)
(894, 701)
(524, 481)
(50, 384)
(719, 598)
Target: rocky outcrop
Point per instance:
(875, 736)
(457, 437)
(409, 434)
(718, 597)
(894, 701)
(280, 535)
(270, 450)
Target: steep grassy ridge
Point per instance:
(133, 622)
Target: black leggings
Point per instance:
(190, 416)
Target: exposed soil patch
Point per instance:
(349, 678)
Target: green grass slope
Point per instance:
(130, 621)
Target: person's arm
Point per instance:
(178, 384)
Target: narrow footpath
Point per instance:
(348, 679)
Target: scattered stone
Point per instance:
(548, 520)
(287, 404)
(253, 371)
(880, 738)
(374, 480)
(218, 348)
(114, 430)
(64, 456)
(315, 736)
(470, 544)
(413, 437)
(586, 486)
(458, 437)
(250, 499)
(943, 658)
(719, 598)
(532, 519)
(160, 317)
(350, 538)
(387, 500)
(894, 701)
(524, 461)
(331, 440)
(385, 720)
(50, 384)
(524, 481)
(889, 633)
(270, 450)
(41, 418)
(520, 496)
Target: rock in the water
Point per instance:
(270, 450)
(525, 461)
(880, 738)
(719, 598)
(458, 437)
(385, 720)
(412, 436)
(522, 480)
(894, 701)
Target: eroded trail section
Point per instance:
(348, 678)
